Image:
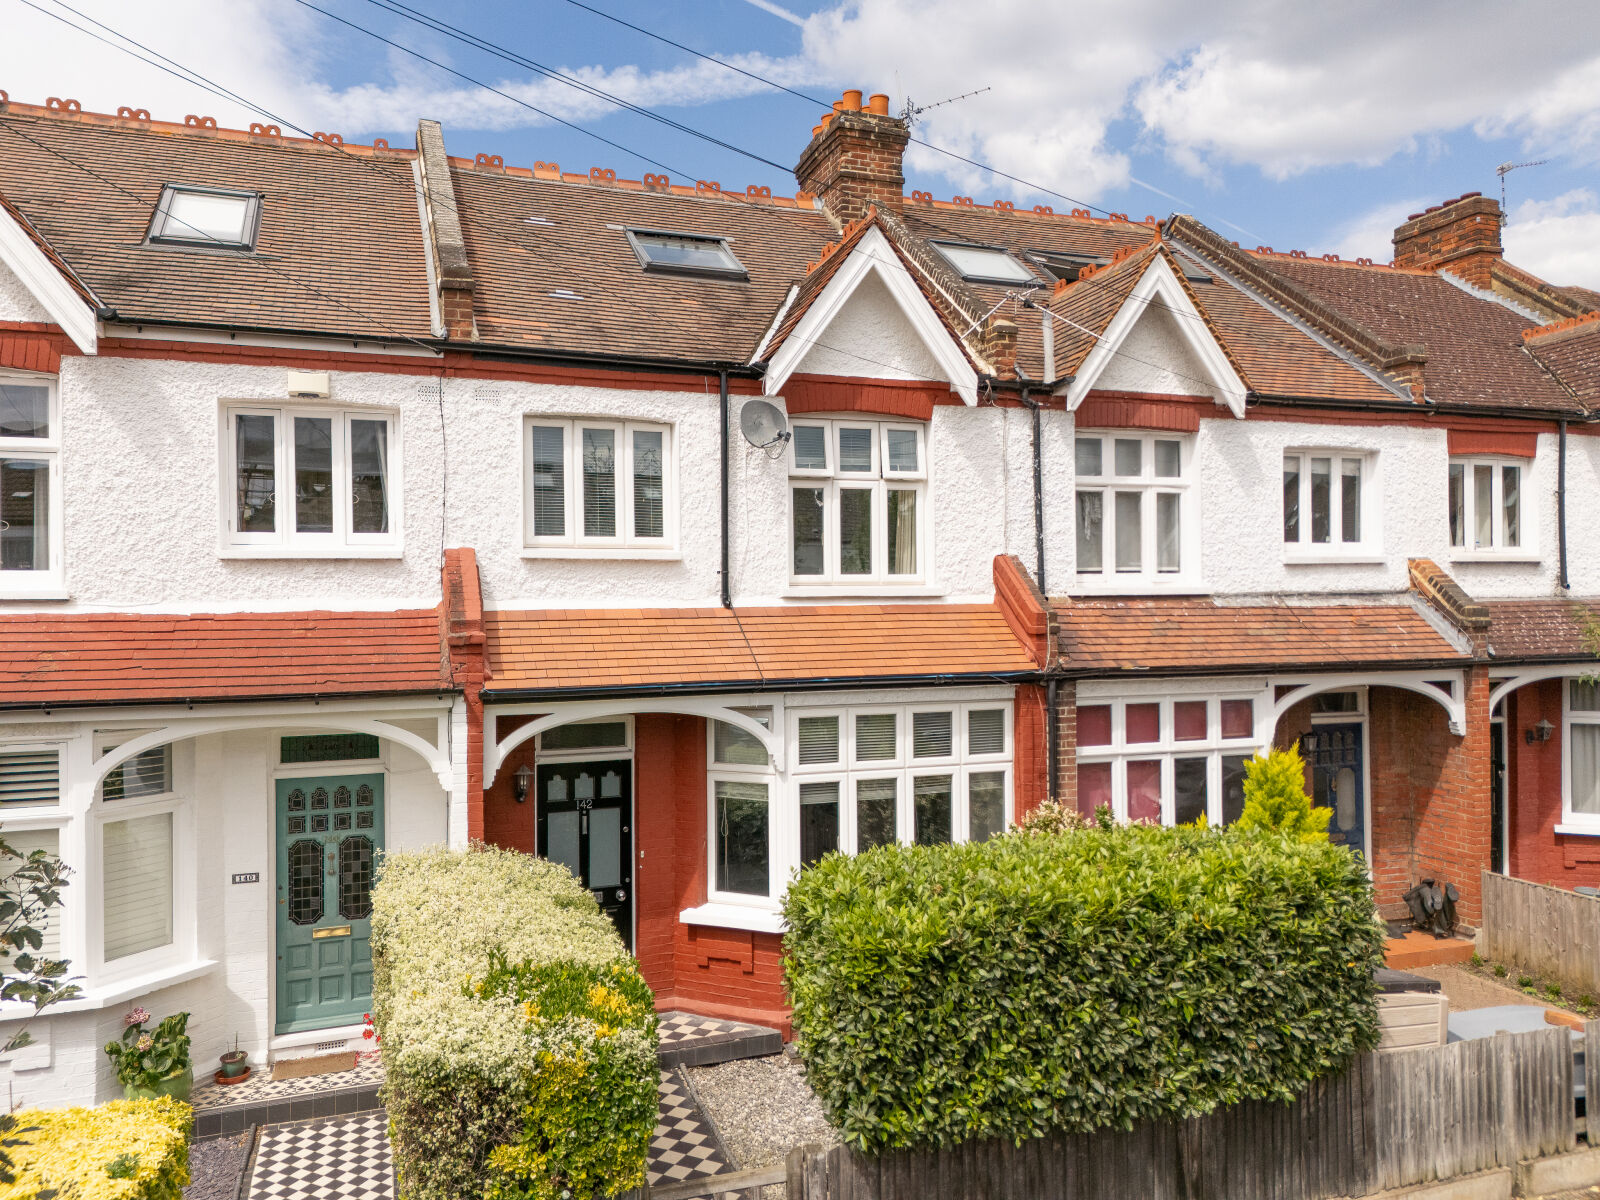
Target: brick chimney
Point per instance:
(854, 159)
(1461, 236)
(452, 270)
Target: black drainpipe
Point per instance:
(1561, 501)
(1038, 489)
(722, 395)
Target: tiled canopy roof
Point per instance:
(119, 658)
(1197, 634)
(1550, 630)
(601, 649)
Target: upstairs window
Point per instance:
(984, 264)
(858, 496)
(30, 503)
(685, 254)
(1132, 507)
(1326, 501)
(193, 216)
(1065, 267)
(1486, 505)
(599, 485)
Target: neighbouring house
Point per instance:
(354, 498)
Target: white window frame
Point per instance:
(1303, 550)
(777, 874)
(1574, 822)
(1497, 551)
(1148, 484)
(46, 583)
(879, 480)
(625, 543)
(284, 541)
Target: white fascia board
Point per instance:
(1159, 282)
(46, 284)
(874, 254)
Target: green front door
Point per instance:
(330, 830)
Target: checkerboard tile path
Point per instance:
(684, 1144)
(339, 1158)
(261, 1088)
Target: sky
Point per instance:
(1277, 122)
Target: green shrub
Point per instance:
(1500, 970)
(1552, 991)
(1077, 981)
(1275, 797)
(1525, 982)
(1476, 960)
(124, 1150)
(518, 1038)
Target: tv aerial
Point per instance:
(1505, 169)
(764, 426)
(912, 110)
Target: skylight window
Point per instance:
(984, 264)
(685, 254)
(194, 216)
(1063, 266)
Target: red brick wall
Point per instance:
(1030, 749)
(1533, 786)
(1461, 236)
(1067, 743)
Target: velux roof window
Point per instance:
(685, 254)
(1064, 266)
(984, 264)
(195, 216)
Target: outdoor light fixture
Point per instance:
(524, 778)
(1539, 733)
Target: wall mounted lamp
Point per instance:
(1539, 733)
(524, 779)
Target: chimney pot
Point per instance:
(855, 158)
(838, 106)
(878, 104)
(852, 99)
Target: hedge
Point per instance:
(124, 1150)
(518, 1039)
(1076, 981)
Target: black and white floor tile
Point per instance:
(340, 1158)
(684, 1143)
(262, 1088)
(696, 1041)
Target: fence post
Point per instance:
(806, 1173)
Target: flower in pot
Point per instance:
(153, 1062)
(235, 1062)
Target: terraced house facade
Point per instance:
(361, 497)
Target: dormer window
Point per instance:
(1065, 267)
(195, 216)
(984, 264)
(685, 254)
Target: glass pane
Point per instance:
(304, 885)
(1233, 772)
(1511, 504)
(810, 448)
(737, 747)
(855, 531)
(355, 878)
(1586, 768)
(1086, 456)
(986, 805)
(255, 465)
(649, 515)
(25, 842)
(1483, 506)
(1189, 720)
(24, 411)
(1458, 505)
(1321, 500)
(1169, 459)
(30, 777)
(980, 262)
(1143, 723)
(902, 532)
(819, 820)
(1350, 500)
(932, 734)
(1291, 497)
(742, 837)
(1130, 534)
(369, 476)
(137, 884)
(1094, 787)
(855, 448)
(1091, 538)
(1168, 552)
(1129, 456)
(875, 737)
(1238, 718)
(986, 731)
(819, 739)
(145, 774)
(24, 514)
(585, 735)
(313, 474)
(1188, 790)
(605, 848)
(549, 480)
(808, 531)
(599, 483)
(932, 796)
(1144, 790)
(706, 254)
(327, 747)
(198, 216)
(902, 449)
(1584, 697)
(877, 813)
(563, 840)
(1094, 725)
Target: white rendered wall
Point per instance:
(870, 337)
(1154, 357)
(16, 302)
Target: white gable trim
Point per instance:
(45, 283)
(873, 254)
(1159, 282)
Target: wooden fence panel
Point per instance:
(1543, 930)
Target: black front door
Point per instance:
(1497, 796)
(585, 812)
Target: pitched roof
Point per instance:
(110, 658)
(1543, 630)
(1089, 303)
(715, 648)
(1570, 350)
(818, 276)
(1196, 634)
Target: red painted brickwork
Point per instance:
(1533, 785)
(1518, 444)
(1067, 743)
(1461, 236)
(461, 631)
(1030, 749)
(1143, 410)
(908, 400)
(33, 346)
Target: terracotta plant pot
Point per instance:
(225, 1080)
(234, 1064)
(177, 1086)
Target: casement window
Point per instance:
(141, 821)
(858, 502)
(599, 485)
(30, 492)
(1165, 761)
(1327, 503)
(742, 786)
(1486, 506)
(1134, 516)
(216, 218)
(1581, 791)
(306, 481)
(31, 817)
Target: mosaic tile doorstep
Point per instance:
(696, 1041)
(260, 1087)
(338, 1158)
(684, 1143)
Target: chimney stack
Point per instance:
(854, 159)
(1461, 236)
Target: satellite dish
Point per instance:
(763, 425)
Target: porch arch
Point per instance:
(1454, 702)
(1529, 675)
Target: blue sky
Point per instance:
(1279, 123)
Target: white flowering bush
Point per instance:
(518, 1038)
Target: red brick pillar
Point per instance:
(1453, 814)
(1066, 780)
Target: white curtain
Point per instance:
(1586, 769)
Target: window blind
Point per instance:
(549, 481)
(25, 842)
(648, 512)
(819, 739)
(137, 867)
(986, 731)
(735, 747)
(875, 737)
(599, 483)
(146, 774)
(932, 735)
(30, 777)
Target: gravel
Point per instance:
(763, 1108)
(1468, 990)
(216, 1166)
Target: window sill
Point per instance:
(16, 595)
(1495, 556)
(117, 992)
(1134, 585)
(292, 552)
(626, 553)
(818, 591)
(1579, 830)
(735, 916)
(1356, 558)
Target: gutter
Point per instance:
(1412, 407)
(1315, 667)
(49, 706)
(814, 684)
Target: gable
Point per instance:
(40, 277)
(870, 337)
(1155, 357)
(17, 303)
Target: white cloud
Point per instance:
(1559, 239)
(1370, 234)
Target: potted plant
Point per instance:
(235, 1065)
(152, 1063)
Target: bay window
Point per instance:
(858, 500)
(1581, 795)
(1132, 508)
(30, 501)
(1486, 506)
(598, 485)
(310, 481)
(141, 826)
(1326, 502)
(31, 817)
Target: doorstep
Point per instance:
(690, 1040)
(261, 1100)
(1418, 949)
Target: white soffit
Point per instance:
(874, 254)
(1159, 283)
(45, 283)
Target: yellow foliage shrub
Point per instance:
(124, 1150)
